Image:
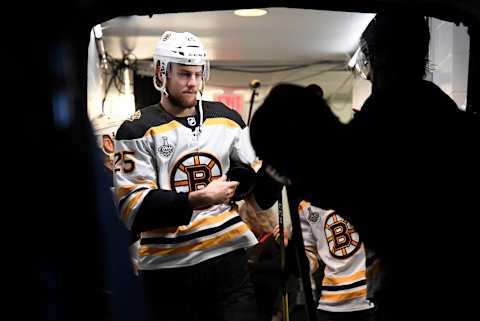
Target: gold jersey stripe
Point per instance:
(158, 130)
(203, 221)
(124, 190)
(201, 245)
(343, 296)
(131, 203)
(127, 189)
(328, 280)
(221, 121)
(155, 131)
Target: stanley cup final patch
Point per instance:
(312, 216)
(166, 149)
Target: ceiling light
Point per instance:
(250, 12)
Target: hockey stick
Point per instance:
(283, 273)
(302, 261)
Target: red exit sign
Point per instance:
(233, 101)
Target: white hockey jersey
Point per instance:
(156, 151)
(330, 238)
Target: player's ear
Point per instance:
(108, 144)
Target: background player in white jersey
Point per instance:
(330, 238)
(169, 176)
(105, 128)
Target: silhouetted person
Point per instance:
(410, 194)
(316, 89)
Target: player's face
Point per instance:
(183, 84)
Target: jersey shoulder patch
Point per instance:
(141, 121)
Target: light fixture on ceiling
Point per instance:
(250, 12)
(97, 31)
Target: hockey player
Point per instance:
(105, 128)
(331, 239)
(171, 187)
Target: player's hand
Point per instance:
(220, 191)
(276, 234)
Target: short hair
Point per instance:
(397, 39)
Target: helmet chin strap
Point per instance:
(200, 103)
(164, 91)
(162, 88)
(200, 109)
(198, 129)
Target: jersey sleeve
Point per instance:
(309, 239)
(134, 176)
(141, 204)
(242, 148)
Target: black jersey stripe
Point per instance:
(344, 286)
(188, 237)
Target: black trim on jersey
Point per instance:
(213, 109)
(345, 286)
(184, 121)
(155, 115)
(188, 237)
(162, 208)
(151, 116)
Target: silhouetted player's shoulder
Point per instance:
(438, 96)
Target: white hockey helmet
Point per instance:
(178, 47)
(106, 125)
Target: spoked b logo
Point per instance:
(194, 171)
